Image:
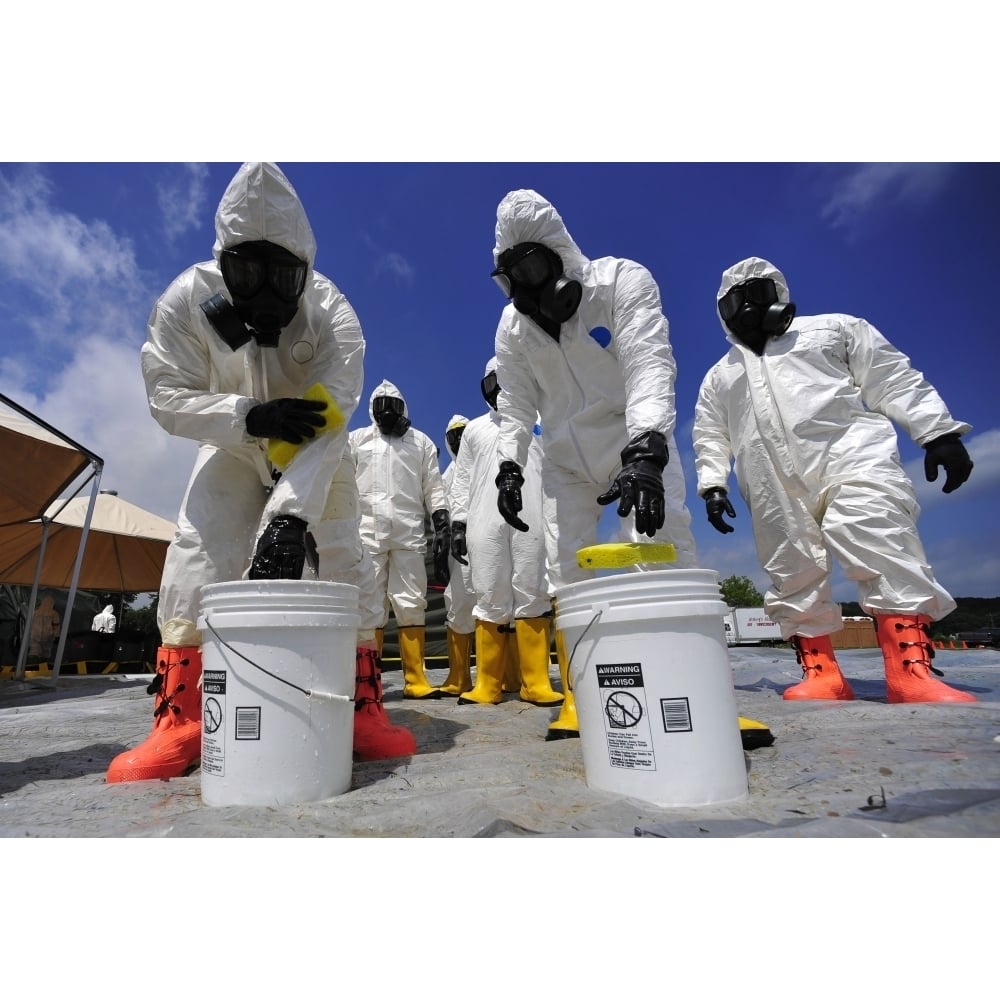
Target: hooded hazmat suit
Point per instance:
(203, 378)
(400, 484)
(508, 567)
(608, 379)
(810, 426)
(201, 388)
(105, 621)
(459, 597)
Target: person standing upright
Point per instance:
(399, 483)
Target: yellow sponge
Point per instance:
(617, 555)
(282, 452)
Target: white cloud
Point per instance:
(878, 185)
(74, 304)
(183, 200)
(984, 483)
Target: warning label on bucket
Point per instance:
(626, 716)
(213, 712)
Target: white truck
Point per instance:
(751, 627)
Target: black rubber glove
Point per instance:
(716, 504)
(947, 451)
(291, 420)
(441, 520)
(459, 550)
(640, 483)
(283, 550)
(509, 482)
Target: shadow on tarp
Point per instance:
(63, 765)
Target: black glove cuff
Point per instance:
(648, 447)
(944, 439)
(440, 519)
(510, 472)
(715, 493)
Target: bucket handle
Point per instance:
(327, 695)
(569, 666)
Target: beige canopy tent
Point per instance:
(125, 549)
(41, 463)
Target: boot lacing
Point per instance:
(368, 678)
(800, 656)
(924, 644)
(165, 702)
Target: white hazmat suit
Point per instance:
(508, 566)
(210, 358)
(608, 379)
(809, 422)
(399, 483)
(201, 388)
(105, 621)
(459, 597)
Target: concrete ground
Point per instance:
(848, 769)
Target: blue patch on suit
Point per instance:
(602, 335)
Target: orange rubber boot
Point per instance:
(821, 676)
(375, 738)
(174, 745)
(907, 650)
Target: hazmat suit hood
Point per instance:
(108, 609)
(524, 216)
(261, 204)
(385, 388)
(456, 421)
(397, 426)
(752, 267)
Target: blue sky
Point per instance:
(86, 247)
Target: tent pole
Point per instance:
(98, 466)
(22, 655)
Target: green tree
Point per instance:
(141, 619)
(740, 592)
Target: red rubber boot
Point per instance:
(174, 745)
(375, 738)
(908, 650)
(821, 676)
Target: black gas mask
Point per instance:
(387, 412)
(266, 282)
(752, 313)
(531, 276)
(490, 388)
(454, 438)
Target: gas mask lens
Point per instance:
(757, 292)
(489, 385)
(530, 269)
(454, 438)
(248, 268)
(383, 405)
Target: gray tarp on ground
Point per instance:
(855, 769)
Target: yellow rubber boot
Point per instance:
(533, 643)
(512, 660)
(173, 746)
(565, 726)
(411, 655)
(821, 676)
(907, 651)
(491, 645)
(459, 664)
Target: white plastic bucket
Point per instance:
(278, 667)
(650, 673)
